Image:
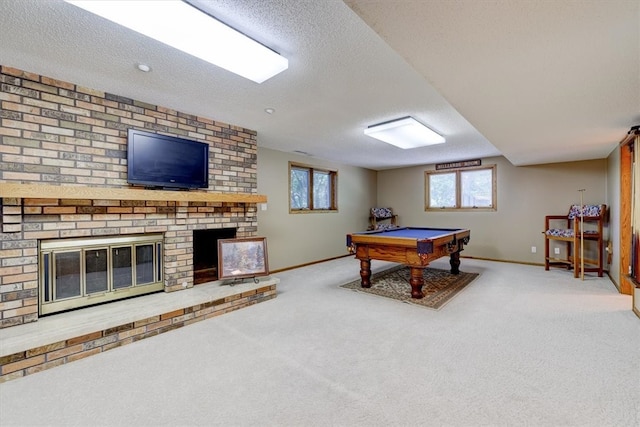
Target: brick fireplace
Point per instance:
(63, 175)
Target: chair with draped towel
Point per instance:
(382, 218)
(586, 222)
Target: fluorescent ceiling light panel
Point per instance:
(405, 133)
(190, 30)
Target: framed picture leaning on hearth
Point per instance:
(242, 257)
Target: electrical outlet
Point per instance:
(556, 251)
(184, 284)
(533, 249)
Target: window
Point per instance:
(461, 189)
(312, 189)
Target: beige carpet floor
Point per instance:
(520, 346)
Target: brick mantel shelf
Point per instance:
(36, 191)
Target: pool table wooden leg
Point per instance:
(455, 262)
(365, 273)
(416, 282)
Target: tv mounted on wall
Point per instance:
(161, 161)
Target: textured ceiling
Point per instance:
(543, 81)
(537, 82)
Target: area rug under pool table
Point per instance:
(439, 285)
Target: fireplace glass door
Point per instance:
(96, 270)
(79, 272)
(67, 274)
(122, 267)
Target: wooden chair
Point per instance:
(569, 232)
(382, 218)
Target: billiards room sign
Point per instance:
(457, 165)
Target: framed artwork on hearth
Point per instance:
(242, 257)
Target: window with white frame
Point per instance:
(312, 189)
(461, 189)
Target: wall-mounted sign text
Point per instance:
(455, 165)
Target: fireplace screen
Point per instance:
(79, 272)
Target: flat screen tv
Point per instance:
(160, 161)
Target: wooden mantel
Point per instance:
(38, 191)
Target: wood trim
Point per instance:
(626, 162)
(306, 264)
(37, 191)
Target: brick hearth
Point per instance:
(66, 337)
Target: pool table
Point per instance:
(415, 247)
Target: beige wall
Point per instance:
(525, 195)
(297, 239)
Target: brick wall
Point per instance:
(55, 132)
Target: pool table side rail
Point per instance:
(423, 246)
(386, 231)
